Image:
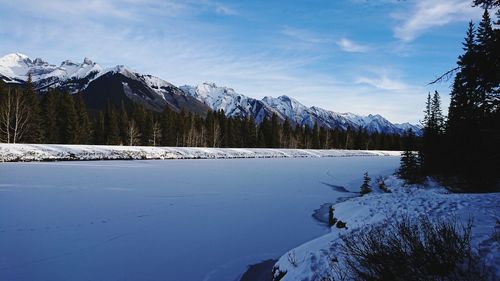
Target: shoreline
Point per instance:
(261, 271)
(59, 152)
(378, 209)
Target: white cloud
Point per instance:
(382, 82)
(165, 39)
(224, 10)
(428, 14)
(304, 35)
(350, 46)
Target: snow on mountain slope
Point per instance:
(119, 82)
(233, 104)
(98, 85)
(19, 67)
(308, 116)
(238, 105)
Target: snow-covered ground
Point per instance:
(189, 220)
(310, 261)
(52, 152)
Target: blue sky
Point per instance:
(360, 56)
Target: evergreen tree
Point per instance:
(250, 133)
(34, 131)
(409, 168)
(50, 116)
(433, 130)
(438, 123)
(365, 187)
(315, 136)
(266, 130)
(84, 126)
(464, 98)
(112, 132)
(487, 3)
(99, 129)
(147, 128)
(275, 131)
(486, 64)
(287, 133)
(464, 114)
(123, 123)
(67, 120)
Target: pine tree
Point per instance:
(287, 133)
(123, 123)
(433, 130)
(84, 126)
(266, 131)
(409, 168)
(251, 133)
(67, 120)
(365, 187)
(50, 116)
(464, 99)
(315, 136)
(486, 64)
(112, 132)
(34, 130)
(437, 114)
(275, 131)
(99, 129)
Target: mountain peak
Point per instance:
(39, 62)
(87, 61)
(155, 93)
(14, 59)
(68, 62)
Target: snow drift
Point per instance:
(311, 261)
(55, 152)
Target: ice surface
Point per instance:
(164, 220)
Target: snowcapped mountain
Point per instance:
(100, 86)
(233, 104)
(17, 67)
(238, 105)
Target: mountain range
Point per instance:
(100, 86)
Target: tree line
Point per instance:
(464, 147)
(60, 117)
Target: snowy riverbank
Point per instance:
(311, 261)
(56, 152)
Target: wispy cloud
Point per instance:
(382, 78)
(179, 41)
(304, 35)
(382, 82)
(350, 46)
(428, 14)
(224, 10)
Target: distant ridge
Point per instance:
(99, 85)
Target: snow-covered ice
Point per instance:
(378, 209)
(51, 152)
(164, 220)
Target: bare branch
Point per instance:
(445, 77)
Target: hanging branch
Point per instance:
(445, 77)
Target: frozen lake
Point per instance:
(176, 220)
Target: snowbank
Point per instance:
(54, 152)
(310, 261)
